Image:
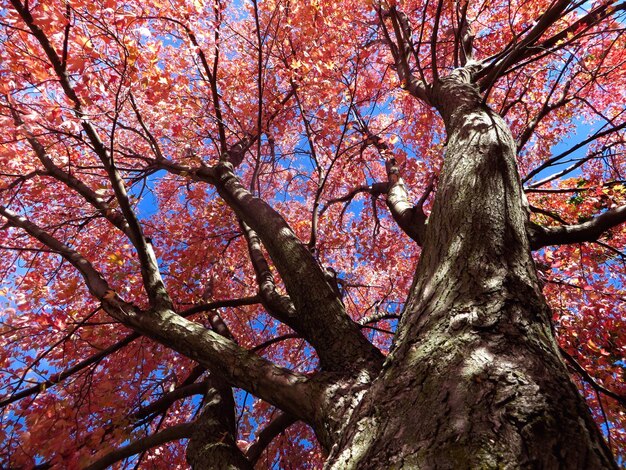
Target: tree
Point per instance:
(327, 206)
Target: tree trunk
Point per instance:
(213, 445)
(474, 379)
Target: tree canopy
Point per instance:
(192, 194)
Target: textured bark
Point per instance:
(475, 379)
(213, 444)
(319, 314)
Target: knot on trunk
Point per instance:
(456, 95)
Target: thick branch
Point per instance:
(166, 400)
(400, 50)
(277, 305)
(464, 39)
(234, 155)
(339, 343)
(241, 368)
(522, 46)
(213, 443)
(574, 31)
(410, 218)
(321, 317)
(374, 189)
(586, 232)
(520, 52)
(94, 280)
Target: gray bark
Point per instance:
(475, 379)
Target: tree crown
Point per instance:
(229, 162)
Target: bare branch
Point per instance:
(552, 215)
(94, 280)
(374, 189)
(72, 182)
(547, 107)
(597, 135)
(433, 42)
(173, 433)
(464, 38)
(608, 184)
(168, 399)
(586, 232)
(211, 78)
(277, 339)
(275, 427)
(149, 266)
(522, 46)
(590, 380)
(604, 151)
(209, 306)
(59, 377)
(400, 51)
(576, 29)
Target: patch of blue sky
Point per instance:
(144, 192)
(582, 130)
